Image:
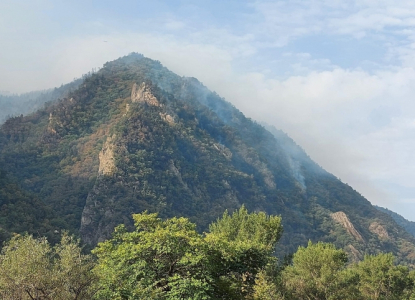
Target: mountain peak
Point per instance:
(135, 136)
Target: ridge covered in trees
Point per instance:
(408, 225)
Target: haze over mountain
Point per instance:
(349, 63)
(409, 226)
(135, 136)
(15, 105)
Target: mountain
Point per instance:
(134, 136)
(23, 212)
(409, 226)
(15, 105)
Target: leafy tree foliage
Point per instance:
(240, 246)
(379, 278)
(268, 286)
(31, 269)
(158, 260)
(170, 260)
(318, 272)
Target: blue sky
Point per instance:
(337, 76)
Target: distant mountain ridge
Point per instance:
(135, 136)
(409, 226)
(15, 105)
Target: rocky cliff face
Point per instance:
(136, 137)
(341, 218)
(142, 94)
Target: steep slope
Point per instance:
(15, 105)
(136, 137)
(21, 212)
(409, 226)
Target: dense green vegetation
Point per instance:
(408, 225)
(21, 211)
(90, 159)
(16, 105)
(169, 259)
(31, 269)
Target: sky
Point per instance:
(337, 76)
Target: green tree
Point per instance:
(31, 269)
(381, 279)
(240, 245)
(158, 260)
(74, 270)
(267, 287)
(319, 272)
(168, 259)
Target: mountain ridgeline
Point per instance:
(409, 226)
(134, 136)
(15, 105)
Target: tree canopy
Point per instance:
(168, 259)
(32, 269)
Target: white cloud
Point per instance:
(297, 18)
(64, 59)
(388, 23)
(357, 125)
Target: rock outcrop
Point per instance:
(378, 229)
(167, 118)
(143, 94)
(341, 218)
(106, 158)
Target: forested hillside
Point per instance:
(409, 226)
(22, 211)
(135, 136)
(16, 105)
